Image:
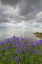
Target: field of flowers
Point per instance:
(17, 50)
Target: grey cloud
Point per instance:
(29, 6)
(26, 18)
(10, 2)
(3, 17)
(25, 8)
(3, 20)
(39, 20)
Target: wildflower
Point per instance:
(38, 52)
(1, 43)
(39, 42)
(33, 51)
(19, 50)
(17, 59)
(34, 44)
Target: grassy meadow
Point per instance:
(17, 50)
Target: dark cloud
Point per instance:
(29, 6)
(28, 9)
(25, 19)
(3, 17)
(3, 20)
(25, 6)
(10, 2)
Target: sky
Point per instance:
(23, 13)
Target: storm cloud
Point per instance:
(10, 2)
(18, 11)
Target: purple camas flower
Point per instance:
(22, 39)
(21, 43)
(7, 41)
(19, 50)
(33, 51)
(11, 41)
(6, 47)
(28, 49)
(29, 45)
(17, 59)
(39, 42)
(14, 39)
(26, 44)
(34, 44)
(17, 45)
(37, 52)
(1, 43)
(26, 40)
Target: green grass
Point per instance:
(9, 55)
(25, 58)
